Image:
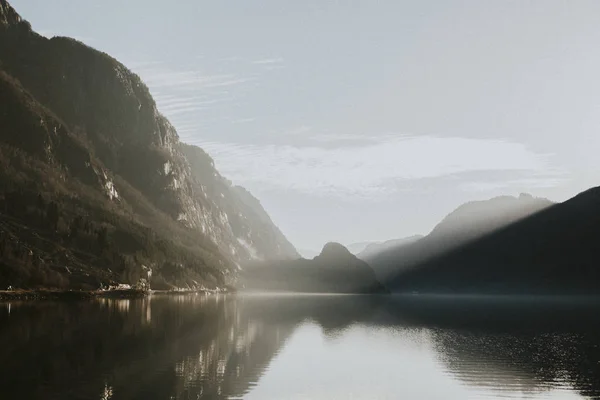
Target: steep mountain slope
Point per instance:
(78, 130)
(335, 270)
(553, 251)
(468, 222)
(250, 225)
(476, 218)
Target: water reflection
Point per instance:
(523, 345)
(218, 347)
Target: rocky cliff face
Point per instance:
(237, 217)
(8, 16)
(92, 128)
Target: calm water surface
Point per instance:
(300, 347)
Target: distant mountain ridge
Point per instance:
(356, 248)
(554, 251)
(468, 222)
(479, 217)
(378, 247)
(334, 270)
(89, 162)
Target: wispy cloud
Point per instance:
(169, 80)
(185, 105)
(243, 120)
(553, 179)
(299, 130)
(137, 65)
(186, 93)
(200, 94)
(371, 169)
(340, 138)
(269, 61)
(190, 80)
(177, 102)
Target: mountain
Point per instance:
(97, 187)
(554, 251)
(468, 222)
(377, 247)
(247, 221)
(334, 270)
(477, 218)
(356, 248)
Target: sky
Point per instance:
(364, 120)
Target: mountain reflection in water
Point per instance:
(261, 347)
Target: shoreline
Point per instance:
(49, 294)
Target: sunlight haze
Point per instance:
(357, 121)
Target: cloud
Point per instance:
(338, 138)
(197, 95)
(175, 82)
(371, 169)
(186, 94)
(299, 130)
(269, 61)
(526, 184)
(143, 64)
(189, 80)
(243, 120)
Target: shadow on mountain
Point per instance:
(467, 223)
(372, 250)
(554, 251)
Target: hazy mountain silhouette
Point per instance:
(468, 222)
(96, 186)
(553, 251)
(377, 247)
(356, 248)
(335, 270)
(475, 218)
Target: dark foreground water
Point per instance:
(300, 347)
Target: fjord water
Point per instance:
(300, 347)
